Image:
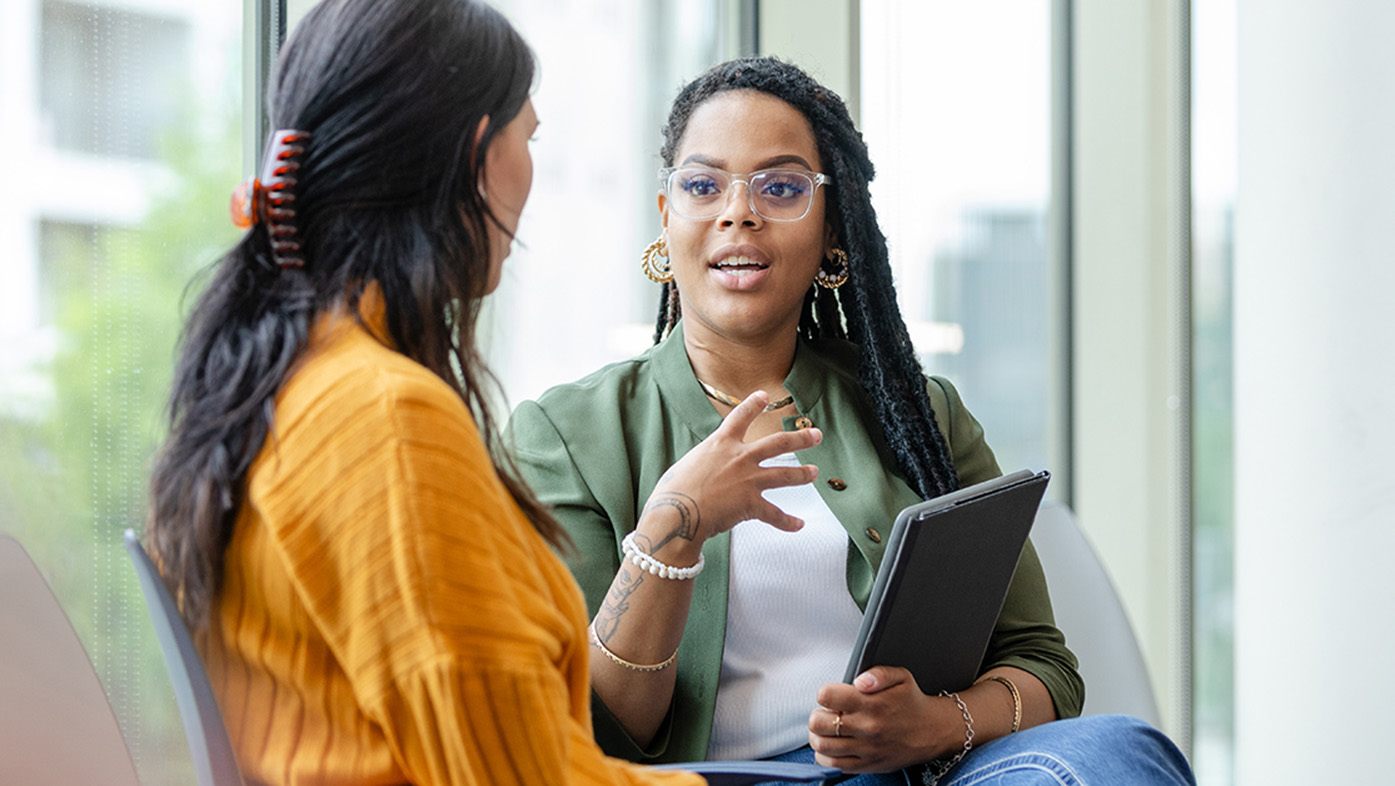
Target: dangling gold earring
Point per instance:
(658, 272)
(837, 278)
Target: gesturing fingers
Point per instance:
(744, 414)
(775, 477)
(721, 481)
(786, 442)
(777, 518)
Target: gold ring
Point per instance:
(838, 724)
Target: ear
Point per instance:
(663, 210)
(830, 239)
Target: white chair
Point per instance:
(1088, 611)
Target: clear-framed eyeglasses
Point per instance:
(701, 193)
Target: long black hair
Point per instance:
(864, 310)
(392, 94)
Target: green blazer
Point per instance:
(594, 449)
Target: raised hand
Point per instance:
(718, 484)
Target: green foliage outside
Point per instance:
(73, 475)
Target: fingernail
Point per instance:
(865, 681)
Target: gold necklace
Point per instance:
(718, 395)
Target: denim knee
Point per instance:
(1088, 751)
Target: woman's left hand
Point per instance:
(882, 723)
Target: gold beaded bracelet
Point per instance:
(619, 661)
(1016, 699)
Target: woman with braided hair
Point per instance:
(729, 490)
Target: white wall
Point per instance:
(1315, 391)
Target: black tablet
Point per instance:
(943, 580)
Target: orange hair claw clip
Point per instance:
(270, 198)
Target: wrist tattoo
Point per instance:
(689, 517)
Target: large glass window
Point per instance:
(955, 110)
(122, 118)
(1214, 169)
(107, 85)
(120, 121)
(573, 297)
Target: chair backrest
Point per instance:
(56, 726)
(1088, 611)
(214, 764)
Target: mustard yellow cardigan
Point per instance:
(387, 613)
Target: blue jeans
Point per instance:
(1096, 750)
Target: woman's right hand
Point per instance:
(718, 484)
(714, 487)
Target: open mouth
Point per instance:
(740, 266)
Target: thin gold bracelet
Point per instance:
(1016, 699)
(619, 661)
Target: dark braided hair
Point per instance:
(864, 310)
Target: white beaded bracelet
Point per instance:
(648, 563)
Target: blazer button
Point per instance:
(873, 535)
(837, 484)
(802, 422)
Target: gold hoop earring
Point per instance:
(837, 278)
(656, 271)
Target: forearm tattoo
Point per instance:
(688, 517)
(629, 579)
(617, 601)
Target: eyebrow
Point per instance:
(717, 163)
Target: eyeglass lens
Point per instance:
(774, 194)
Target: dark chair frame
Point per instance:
(214, 763)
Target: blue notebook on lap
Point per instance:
(944, 577)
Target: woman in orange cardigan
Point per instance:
(373, 591)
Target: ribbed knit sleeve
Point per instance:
(388, 614)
